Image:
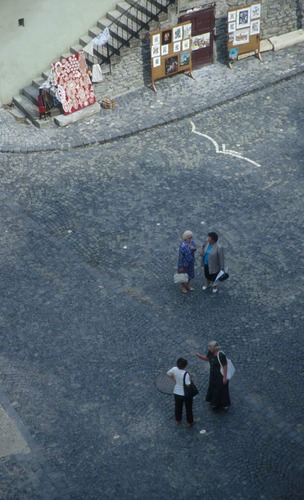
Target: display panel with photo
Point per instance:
(171, 65)
(166, 37)
(164, 50)
(255, 11)
(201, 41)
(156, 39)
(255, 27)
(186, 44)
(187, 31)
(241, 37)
(231, 27)
(231, 16)
(233, 54)
(155, 50)
(243, 18)
(176, 47)
(156, 62)
(185, 59)
(177, 33)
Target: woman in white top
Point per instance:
(177, 374)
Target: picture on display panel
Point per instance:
(155, 50)
(187, 31)
(156, 62)
(185, 58)
(156, 39)
(233, 54)
(243, 18)
(201, 41)
(177, 33)
(164, 50)
(241, 37)
(166, 37)
(255, 11)
(186, 44)
(231, 27)
(171, 65)
(232, 16)
(176, 47)
(255, 27)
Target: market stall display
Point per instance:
(171, 52)
(243, 31)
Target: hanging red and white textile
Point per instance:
(71, 75)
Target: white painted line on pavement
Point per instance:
(224, 151)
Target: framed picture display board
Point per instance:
(170, 52)
(243, 31)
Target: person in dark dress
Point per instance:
(218, 389)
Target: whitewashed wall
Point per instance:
(51, 27)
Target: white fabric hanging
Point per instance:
(97, 75)
(102, 38)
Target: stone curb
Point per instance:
(287, 40)
(145, 128)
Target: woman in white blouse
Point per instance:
(178, 374)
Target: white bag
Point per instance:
(180, 278)
(230, 367)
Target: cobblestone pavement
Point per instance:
(90, 316)
(177, 97)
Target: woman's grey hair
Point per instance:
(214, 344)
(187, 234)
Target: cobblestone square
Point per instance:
(91, 316)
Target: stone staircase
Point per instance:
(125, 24)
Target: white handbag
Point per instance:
(230, 367)
(180, 278)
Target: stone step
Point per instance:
(74, 49)
(31, 92)
(38, 82)
(139, 17)
(18, 114)
(66, 55)
(125, 26)
(84, 40)
(46, 73)
(145, 7)
(31, 111)
(82, 114)
(103, 23)
(94, 31)
(287, 40)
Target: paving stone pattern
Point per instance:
(178, 97)
(90, 314)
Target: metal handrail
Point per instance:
(136, 14)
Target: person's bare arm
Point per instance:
(201, 356)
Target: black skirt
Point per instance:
(217, 393)
(208, 276)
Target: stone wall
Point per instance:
(133, 71)
(278, 17)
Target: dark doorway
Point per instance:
(202, 35)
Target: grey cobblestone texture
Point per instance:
(140, 110)
(90, 315)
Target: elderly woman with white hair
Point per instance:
(186, 259)
(218, 389)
